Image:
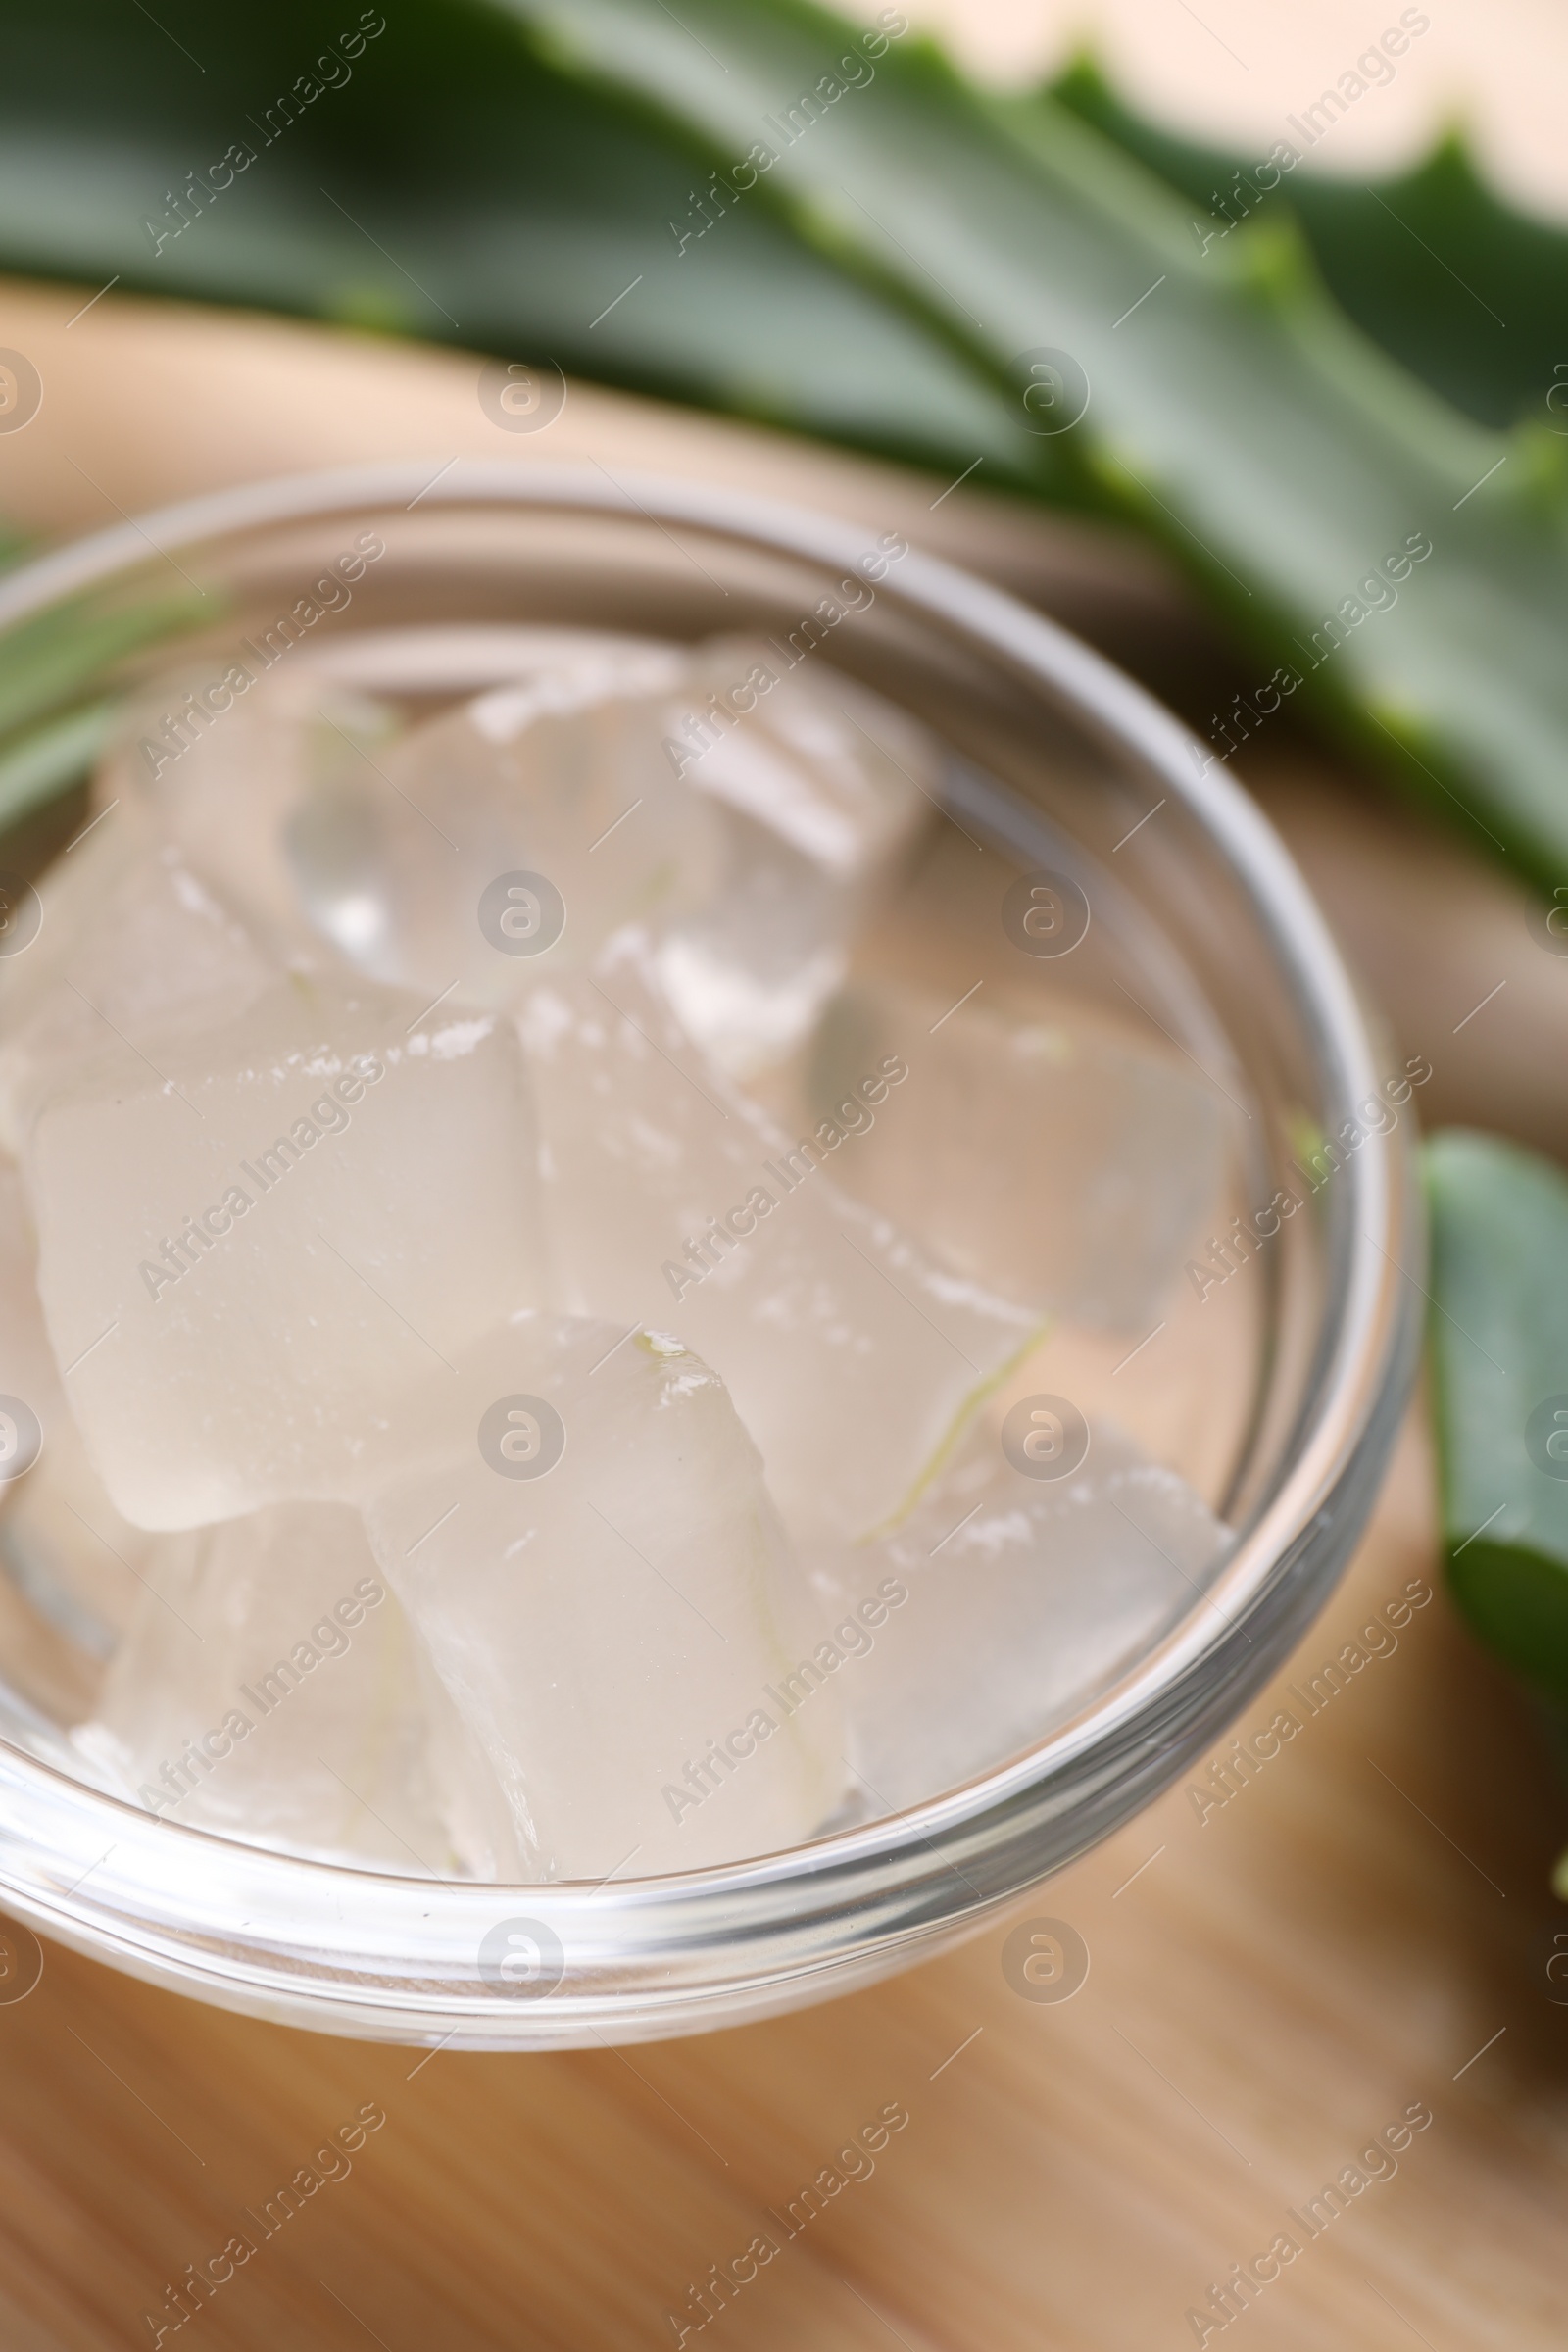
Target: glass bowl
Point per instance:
(1171, 910)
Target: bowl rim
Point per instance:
(848, 1904)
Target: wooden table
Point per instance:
(1363, 1931)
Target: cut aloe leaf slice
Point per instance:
(1499, 1359)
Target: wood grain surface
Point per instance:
(1362, 1929)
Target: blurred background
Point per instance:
(1370, 1934)
(1232, 74)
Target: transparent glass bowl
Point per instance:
(1200, 930)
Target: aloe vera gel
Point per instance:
(534, 1314)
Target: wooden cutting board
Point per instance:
(1360, 1937)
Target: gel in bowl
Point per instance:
(1085, 870)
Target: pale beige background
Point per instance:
(1235, 68)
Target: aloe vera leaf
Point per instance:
(1232, 411)
(1498, 1343)
(37, 766)
(49, 660)
(1454, 284)
(452, 187)
(54, 660)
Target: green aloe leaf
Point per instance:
(48, 661)
(1461, 288)
(444, 182)
(50, 736)
(38, 766)
(55, 717)
(1231, 409)
(568, 179)
(1498, 1340)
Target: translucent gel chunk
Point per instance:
(817, 759)
(1062, 1166)
(133, 948)
(615, 1626)
(252, 1242)
(463, 657)
(73, 893)
(559, 779)
(821, 787)
(852, 1358)
(1002, 1603)
(27, 1360)
(270, 1688)
(262, 799)
(65, 1547)
(62, 1543)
